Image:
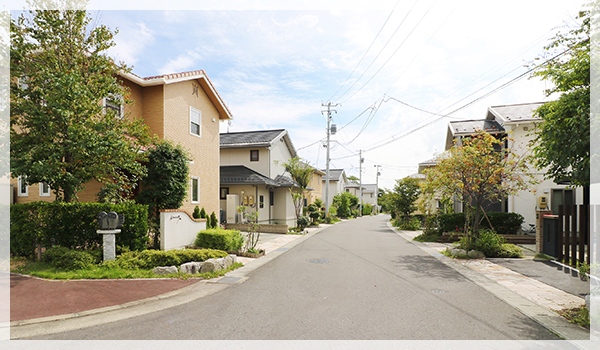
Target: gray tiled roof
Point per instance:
(515, 113)
(334, 174)
(250, 138)
(472, 126)
(239, 174)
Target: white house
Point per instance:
(518, 122)
(337, 183)
(253, 175)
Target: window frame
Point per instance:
(254, 152)
(223, 192)
(197, 192)
(115, 102)
(42, 193)
(194, 110)
(20, 183)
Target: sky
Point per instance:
(399, 71)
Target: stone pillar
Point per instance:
(108, 243)
(539, 229)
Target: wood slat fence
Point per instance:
(574, 234)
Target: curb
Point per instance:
(547, 318)
(67, 322)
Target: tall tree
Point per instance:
(402, 199)
(301, 172)
(475, 172)
(562, 142)
(61, 132)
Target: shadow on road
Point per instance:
(426, 267)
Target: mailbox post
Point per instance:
(109, 224)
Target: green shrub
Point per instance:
(303, 222)
(510, 251)
(454, 222)
(367, 209)
(504, 223)
(72, 225)
(196, 214)
(149, 259)
(227, 240)
(69, 259)
(489, 243)
(202, 214)
(213, 220)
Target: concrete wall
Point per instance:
(178, 229)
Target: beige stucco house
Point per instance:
(184, 108)
(253, 175)
(337, 183)
(518, 122)
(317, 186)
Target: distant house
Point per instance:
(517, 121)
(253, 175)
(369, 192)
(337, 183)
(316, 188)
(184, 108)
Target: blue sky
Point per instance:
(275, 64)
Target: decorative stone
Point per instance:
(476, 254)
(233, 259)
(210, 265)
(164, 270)
(458, 252)
(191, 267)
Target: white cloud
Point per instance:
(131, 41)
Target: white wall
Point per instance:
(178, 229)
(241, 156)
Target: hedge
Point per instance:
(502, 223)
(227, 240)
(72, 225)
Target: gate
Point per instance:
(574, 234)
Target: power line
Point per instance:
(380, 51)
(365, 54)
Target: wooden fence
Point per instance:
(574, 234)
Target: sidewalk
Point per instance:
(531, 296)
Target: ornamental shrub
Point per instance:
(196, 214)
(454, 222)
(69, 259)
(303, 222)
(203, 214)
(149, 259)
(72, 225)
(504, 223)
(367, 209)
(213, 222)
(227, 240)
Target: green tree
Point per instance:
(402, 199)
(562, 141)
(476, 172)
(165, 185)
(344, 203)
(61, 133)
(302, 173)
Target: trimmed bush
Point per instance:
(451, 222)
(213, 220)
(504, 223)
(149, 259)
(196, 214)
(367, 209)
(69, 259)
(303, 222)
(72, 225)
(227, 240)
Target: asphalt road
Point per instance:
(355, 280)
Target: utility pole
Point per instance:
(377, 188)
(328, 111)
(360, 161)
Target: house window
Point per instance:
(23, 189)
(224, 192)
(271, 198)
(44, 190)
(114, 103)
(261, 201)
(195, 190)
(562, 197)
(254, 155)
(195, 119)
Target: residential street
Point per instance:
(355, 280)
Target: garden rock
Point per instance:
(474, 254)
(458, 252)
(164, 270)
(191, 267)
(210, 265)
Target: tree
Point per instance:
(344, 202)
(475, 171)
(165, 185)
(562, 140)
(402, 199)
(301, 173)
(61, 133)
